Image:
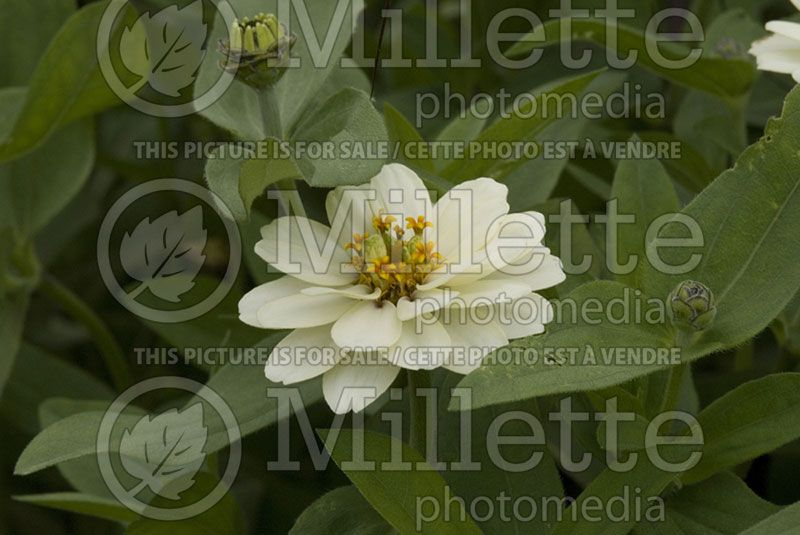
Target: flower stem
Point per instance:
(673, 389)
(270, 112)
(419, 420)
(110, 349)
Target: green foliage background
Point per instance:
(66, 346)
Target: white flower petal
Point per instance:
(301, 311)
(471, 343)
(547, 274)
(464, 217)
(781, 61)
(486, 292)
(526, 316)
(402, 193)
(426, 350)
(785, 28)
(773, 43)
(355, 207)
(424, 302)
(302, 355)
(359, 292)
(305, 249)
(259, 296)
(351, 387)
(516, 238)
(368, 326)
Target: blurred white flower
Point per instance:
(405, 284)
(780, 52)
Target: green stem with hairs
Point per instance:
(683, 339)
(270, 112)
(110, 350)
(673, 390)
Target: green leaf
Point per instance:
(83, 473)
(593, 365)
(241, 386)
(34, 188)
(222, 174)
(350, 121)
(13, 310)
(258, 174)
(534, 181)
(464, 128)
(783, 522)
(711, 126)
(219, 327)
(536, 482)
(238, 109)
(644, 190)
(38, 375)
(394, 493)
(749, 218)
(67, 84)
(517, 127)
(751, 264)
(17, 20)
(347, 122)
(224, 518)
(747, 422)
(729, 78)
(577, 242)
(722, 504)
(342, 511)
(789, 322)
(646, 480)
(690, 170)
(402, 134)
(82, 504)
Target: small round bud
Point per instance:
(257, 50)
(691, 305)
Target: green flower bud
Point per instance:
(257, 50)
(691, 305)
(374, 248)
(410, 250)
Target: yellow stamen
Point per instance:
(407, 265)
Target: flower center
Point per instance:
(387, 261)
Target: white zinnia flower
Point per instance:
(453, 285)
(780, 52)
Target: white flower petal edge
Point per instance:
(423, 347)
(351, 387)
(306, 250)
(780, 52)
(477, 341)
(290, 361)
(400, 296)
(368, 326)
(282, 304)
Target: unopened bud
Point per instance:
(692, 306)
(257, 50)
